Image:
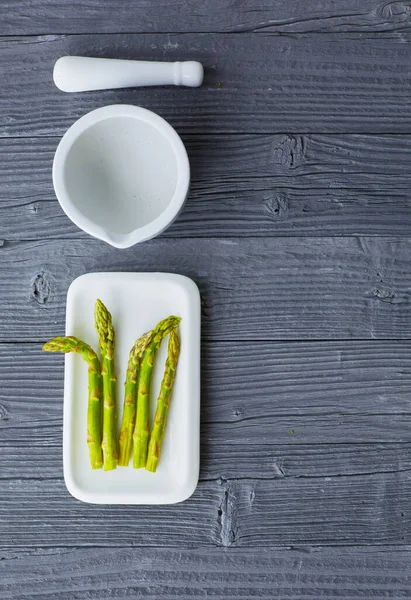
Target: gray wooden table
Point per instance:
(298, 233)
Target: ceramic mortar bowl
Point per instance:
(121, 173)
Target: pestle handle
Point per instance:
(83, 74)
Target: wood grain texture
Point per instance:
(350, 397)
(41, 513)
(22, 17)
(329, 480)
(254, 83)
(325, 392)
(304, 444)
(40, 457)
(362, 510)
(259, 185)
(252, 289)
(343, 510)
(297, 574)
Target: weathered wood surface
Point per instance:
(345, 399)
(23, 17)
(40, 456)
(257, 185)
(319, 389)
(70, 574)
(342, 510)
(303, 443)
(254, 83)
(252, 289)
(287, 429)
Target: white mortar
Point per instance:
(121, 173)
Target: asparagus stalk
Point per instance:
(142, 427)
(130, 397)
(163, 402)
(72, 344)
(105, 331)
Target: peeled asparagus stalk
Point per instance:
(163, 403)
(72, 344)
(105, 331)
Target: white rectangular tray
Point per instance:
(137, 302)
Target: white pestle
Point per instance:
(83, 74)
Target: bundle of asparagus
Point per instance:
(104, 448)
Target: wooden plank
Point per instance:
(43, 514)
(262, 484)
(41, 457)
(260, 185)
(318, 409)
(254, 83)
(342, 510)
(20, 17)
(325, 392)
(252, 289)
(227, 460)
(296, 574)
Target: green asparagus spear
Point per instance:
(72, 344)
(142, 428)
(163, 402)
(105, 331)
(130, 397)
